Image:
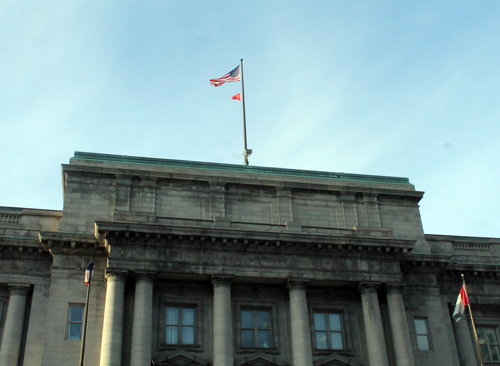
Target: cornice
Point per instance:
(22, 248)
(226, 239)
(67, 243)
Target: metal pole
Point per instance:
(84, 333)
(472, 320)
(246, 152)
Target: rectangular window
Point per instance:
(75, 320)
(328, 331)
(488, 342)
(180, 325)
(423, 335)
(255, 328)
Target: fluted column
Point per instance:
(465, 342)
(374, 331)
(223, 321)
(143, 320)
(112, 329)
(300, 328)
(399, 325)
(13, 330)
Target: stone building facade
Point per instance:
(216, 264)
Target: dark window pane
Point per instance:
(492, 337)
(187, 317)
(495, 353)
(187, 335)
(247, 338)
(172, 335)
(480, 335)
(263, 319)
(423, 342)
(319, 321)
(321, 341)
(76, 313)
(484, 353)
(420, 326)
(263, 338)
(336, 340)
(335, 322)
(173, 316)
(75, 331)
(246, 319)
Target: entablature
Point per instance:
(227, 239)
(67, 243)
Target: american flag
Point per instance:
(228, 78)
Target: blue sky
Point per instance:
(399, 88)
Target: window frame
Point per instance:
(347, 318)
(272, 308)
(190, 303)
(328, 331)
(427, 334)
(496, 331)
(69, 321)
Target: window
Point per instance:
(75, 320)
(328, 330)
(488, 342)
(256, 326)
(423, 338)
(180, 325)
(255, 329)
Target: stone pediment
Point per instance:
(180, 358)
(259, 359)
(335, 360)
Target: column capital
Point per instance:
(116, 276)
(297, 284)
(222, 280)
(394, 287)
(368, 287)
(18, 289)
(142, 276)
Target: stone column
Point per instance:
(399, 325)
(143, 320)
(223, 321)
(300, 328)
(112, 329)
(374, 331)
(465, 342)
(13, 330)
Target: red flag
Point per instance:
(462, 302)
(237, 96)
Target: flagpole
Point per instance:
(472, 320)
(246, 152)
(84, 333)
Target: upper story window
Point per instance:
(180, 325)
(255, 328)
(75, 320)
(328, 330)
(488, 342)
(423, 334)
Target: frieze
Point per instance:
(164, 256)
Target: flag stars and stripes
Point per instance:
(232, 76)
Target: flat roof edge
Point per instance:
(238, 168)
